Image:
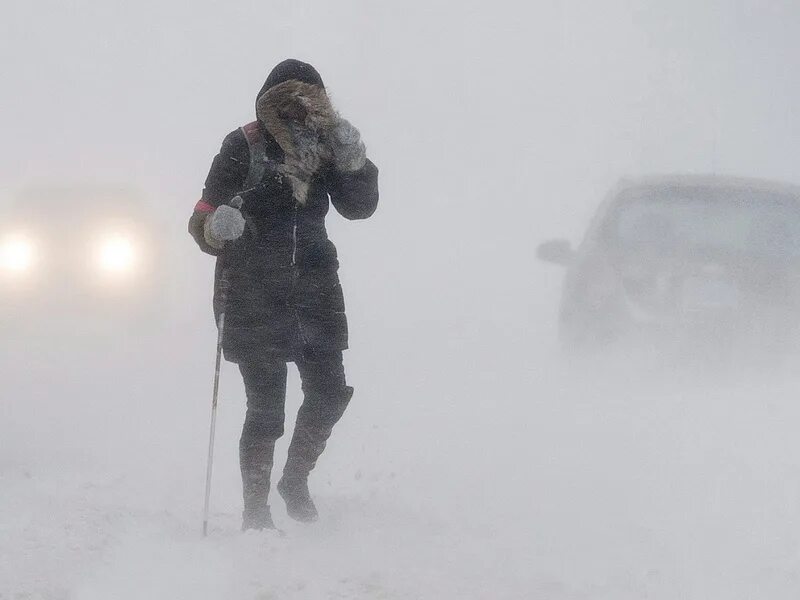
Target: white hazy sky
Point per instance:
(550, 89)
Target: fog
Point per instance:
(475, 460)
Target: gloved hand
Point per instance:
(349, 151)
(225, 224)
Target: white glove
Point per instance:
(226, 223)
(349, 151)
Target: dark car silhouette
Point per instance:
(694, 258)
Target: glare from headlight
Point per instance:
(116, 254)
(17, 254)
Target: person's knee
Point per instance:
(264, 383)
(265, 386)
(323, 409)
(322, 375)
(263, 425)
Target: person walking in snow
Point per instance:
(276, 272)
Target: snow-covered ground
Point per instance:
(505, 482)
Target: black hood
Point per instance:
(291, 69)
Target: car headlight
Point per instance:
(17, 254)
(116, 254)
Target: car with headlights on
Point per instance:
(685, 259)
(80, 258)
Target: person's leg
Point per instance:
(265, 385)
(326, 396)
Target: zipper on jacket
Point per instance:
(294, 236)
(295, 275)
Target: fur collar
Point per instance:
(301, 142)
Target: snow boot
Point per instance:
(305, 448)
(299, 505)
(256, 465)
(311, 433)
(258, 520)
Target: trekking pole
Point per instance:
(214, 396)
(224, 285)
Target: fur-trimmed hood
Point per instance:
(302, 141)
(295, 109)
(291, 69)
(272, 105)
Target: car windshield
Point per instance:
(753, 223)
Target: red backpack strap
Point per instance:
(203, 207)
(257, 146)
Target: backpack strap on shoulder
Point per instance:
(257, 146)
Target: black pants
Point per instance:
(326, 396)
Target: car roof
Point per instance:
(721, 182)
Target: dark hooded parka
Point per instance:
(283, 290)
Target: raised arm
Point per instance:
(355, 193)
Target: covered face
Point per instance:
(294, 108)
(294, 94)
